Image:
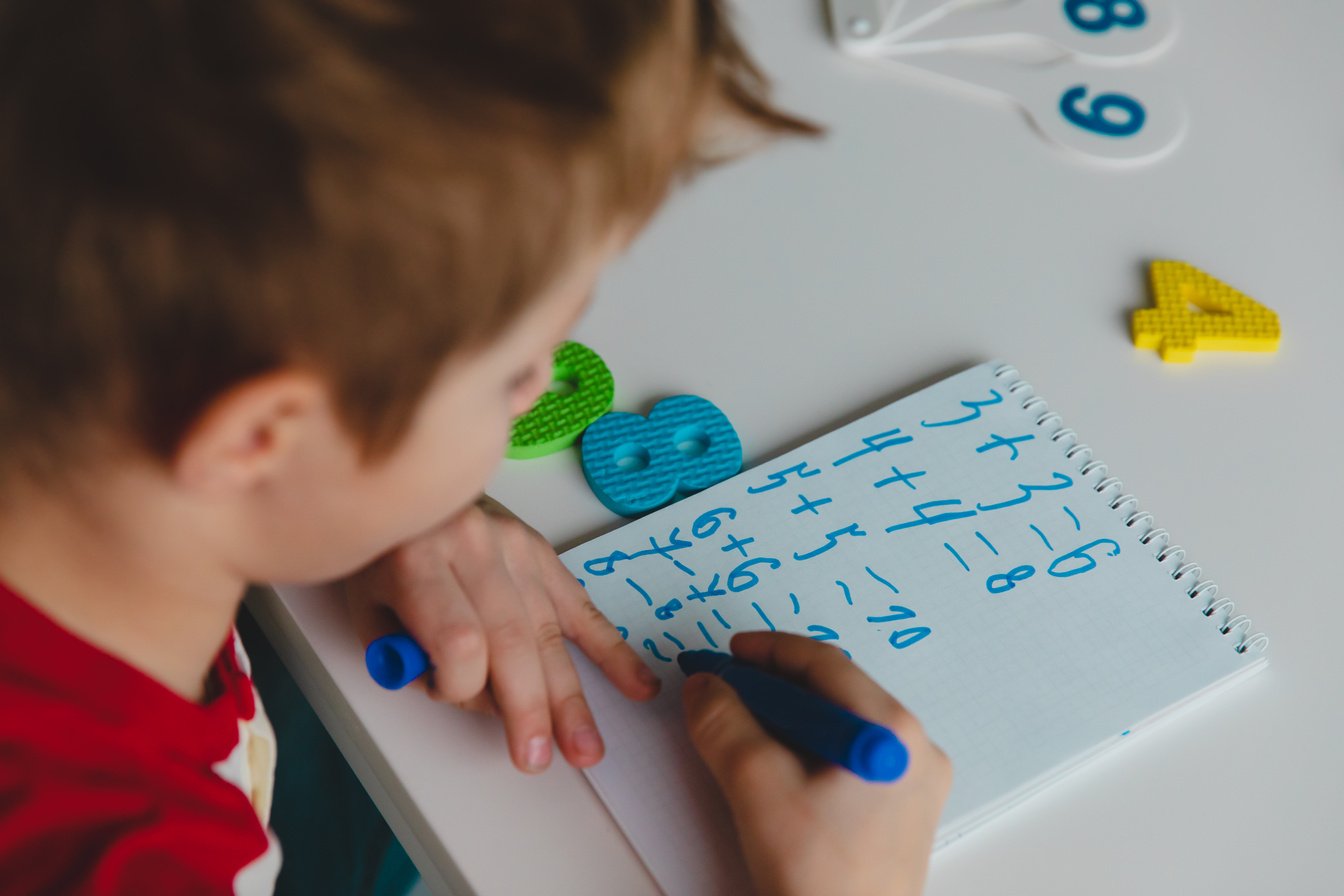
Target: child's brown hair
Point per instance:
(195, 192)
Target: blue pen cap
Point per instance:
(878, 755)
(395, 661)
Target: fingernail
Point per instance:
(648, 678)
(538, 753)
(588, 742)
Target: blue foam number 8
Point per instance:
(1105, 14)
(1095, 118)
(635, 464)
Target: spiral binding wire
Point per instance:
(1171, 556)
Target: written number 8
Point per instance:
(1127, 123)
(1103, 15)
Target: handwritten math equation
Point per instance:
(825, 542)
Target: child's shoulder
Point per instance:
(109, 782)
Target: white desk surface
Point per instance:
(930, 231)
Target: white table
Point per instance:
(929, 231)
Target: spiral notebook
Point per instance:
(968, 551)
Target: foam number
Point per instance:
(582, 390)
(1097, 32)
(1196, 311)
(635, 464)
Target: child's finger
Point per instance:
(572, 721)
(826, 670)
(516, 678)
(749, 765)
(575, 730)
(446, 625)
(483, 703)
(430, 605)
(585, 625)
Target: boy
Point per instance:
(276, 278)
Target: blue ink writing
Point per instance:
(986, 542)
(761, 613)
(642, 593)
(896, 614)
(794, 598)
(953, 551)
(810, 505)
(832, 539)
(1008, 581)
(667, 610)
(1082, 557)
(903, 638)
(605, 566)
(1035, 529)
(737, 544)
(844, 589)
(668, 636)
(707, 523)
(742, 577)
(674, 543)
(712, 591)
(902, 478)
(972, 406)
(778, 478)
(704, 631)
(876, 577)
(998, 441)
(653, 649)
(926, 520)
(1061, 481)
(822, 633)
(723, 622)
(1077, 526)
(876, 443)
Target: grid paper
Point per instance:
(1021, 620)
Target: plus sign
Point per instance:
(809, 504)
(900, 477)
(737, 544)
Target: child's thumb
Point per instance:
(746, 762)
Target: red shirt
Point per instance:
(112, 784)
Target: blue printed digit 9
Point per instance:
(636, 464)
(1101, 116)
(1096, 16)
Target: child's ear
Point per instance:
(248, 433)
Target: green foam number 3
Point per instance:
(582, 390)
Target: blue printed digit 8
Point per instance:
(1096, 16)
(635, 464)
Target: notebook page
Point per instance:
(949, 546)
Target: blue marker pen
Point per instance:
(807, 721)
(395, 661)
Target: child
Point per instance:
(277, 275)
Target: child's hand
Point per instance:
(806, 829)
(492, 605)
